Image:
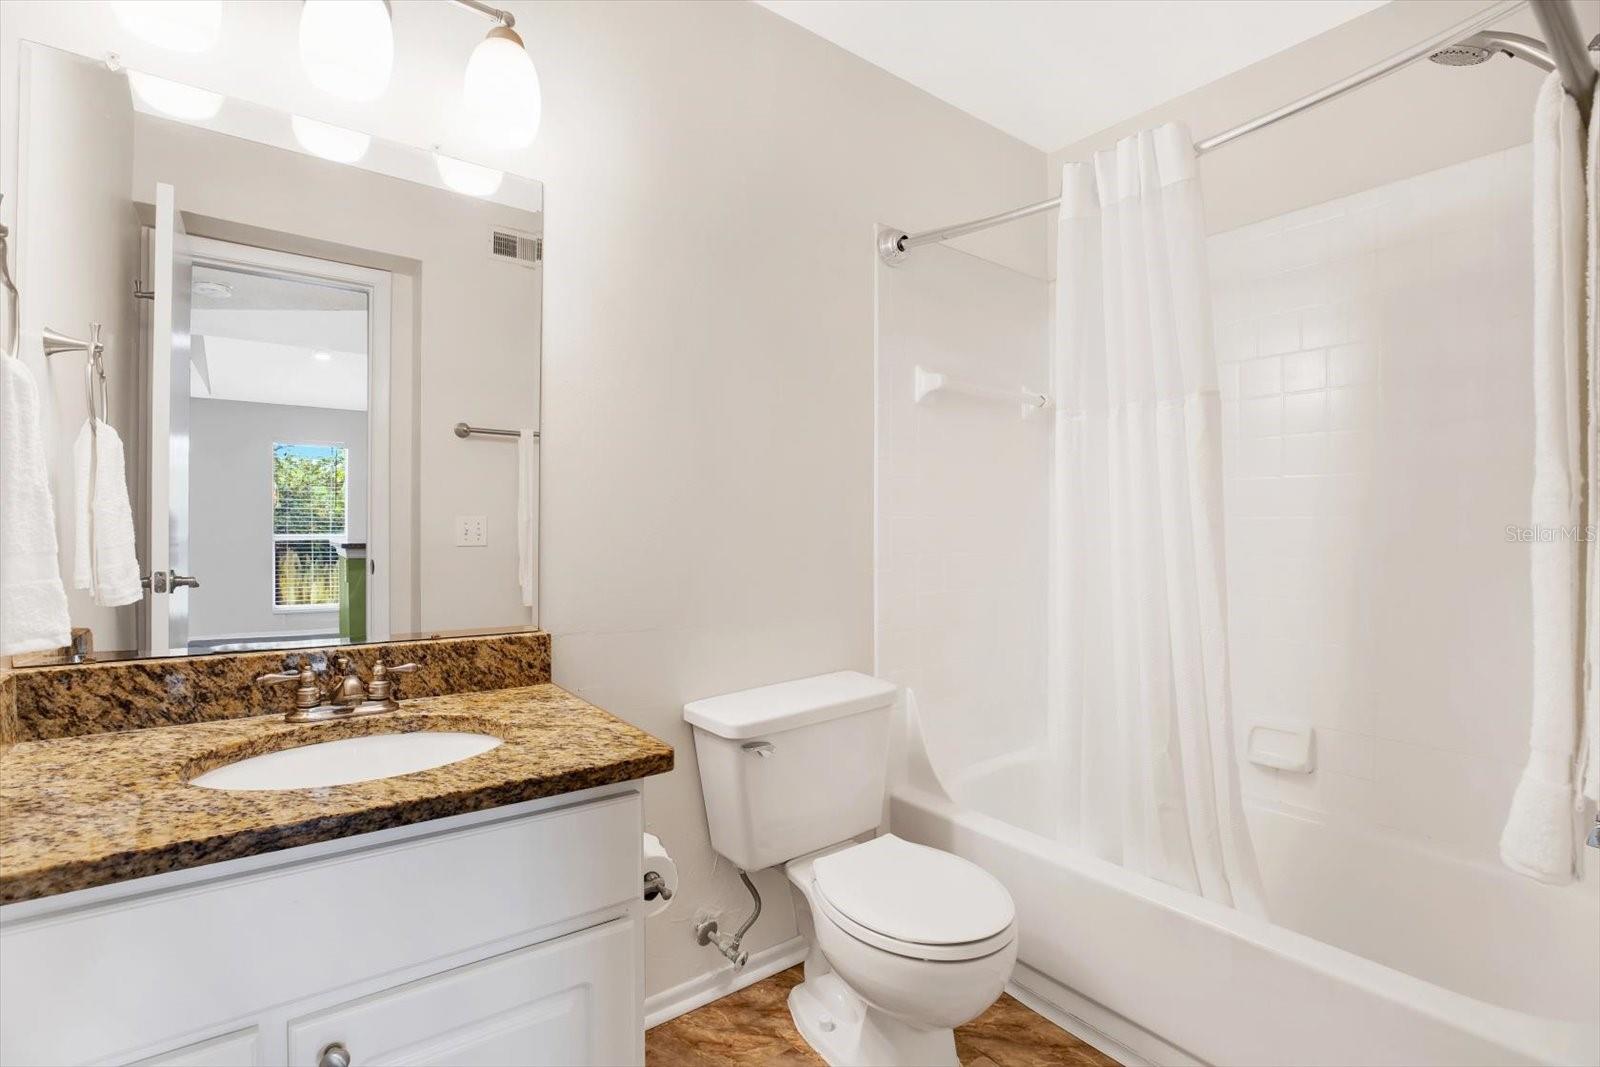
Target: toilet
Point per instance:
(905, 942)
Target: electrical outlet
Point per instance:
(471, 531)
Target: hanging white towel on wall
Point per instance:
(1139, 679)
(1540, 831)
(528, 516)
(1588, 769)
(105, 563)
(33, 604)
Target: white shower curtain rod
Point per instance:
(1567, 51)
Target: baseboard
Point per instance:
(702, 990)
(1123, 1040)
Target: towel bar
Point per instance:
(463, 430)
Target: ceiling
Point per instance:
(276, 339)
(1052, 72)
(247, 291)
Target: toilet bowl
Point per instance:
(906, 943)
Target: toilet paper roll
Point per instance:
(657, 861)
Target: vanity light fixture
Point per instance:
(213, 289)
(181, 25)
(330, 142)
(175, 99)
(468, 178)
(501, 87)
(347, 47)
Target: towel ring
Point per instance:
(94, 370)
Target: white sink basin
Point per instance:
(352, 759)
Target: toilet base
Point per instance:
(848, 1032)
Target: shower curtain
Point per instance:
(1139, 678)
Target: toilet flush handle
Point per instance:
(758, 748)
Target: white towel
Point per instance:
(33, 604)
(1538, 837)
(106, 563)
(1587, 774)
(528, 515)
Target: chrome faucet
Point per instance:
(344, 695)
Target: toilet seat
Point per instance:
(914, 901)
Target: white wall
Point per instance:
(713, 176)
(80, 153)
(230, 509)
(1378, 409)
(962, 511)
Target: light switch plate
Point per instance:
(471, 531)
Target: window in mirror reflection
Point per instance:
(308, 525)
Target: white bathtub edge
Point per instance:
(1515, 1036)
(1123, 1040)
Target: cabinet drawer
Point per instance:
(568, 1001)
(242, 1048)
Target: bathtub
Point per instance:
(1378, 953)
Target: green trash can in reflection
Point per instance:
(353, 591)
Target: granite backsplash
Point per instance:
(44, 703)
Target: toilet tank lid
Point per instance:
(787, 705)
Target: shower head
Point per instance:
(1461, 55)
(1482, 47)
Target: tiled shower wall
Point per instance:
(963, 506)
(1377, 393)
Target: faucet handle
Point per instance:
(307, 695)
(381, 688)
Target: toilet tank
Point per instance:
(790, 768)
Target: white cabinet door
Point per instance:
(242, 1048)
(568, 1001)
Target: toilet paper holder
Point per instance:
(656, 886)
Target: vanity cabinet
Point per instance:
(502, 937)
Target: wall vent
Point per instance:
(524, 248)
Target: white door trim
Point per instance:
(377, 283)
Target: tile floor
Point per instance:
(752, 1028)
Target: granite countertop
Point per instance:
(85, 811)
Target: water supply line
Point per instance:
(705, 931)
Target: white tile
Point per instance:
(1261, 377)
(1261, 416)
(1260, 457)
(1324, 326)
(1352, 364)
(1280, 334)
(1305, 412)
(1349, 408)
(1305, 454)
(1305, 370)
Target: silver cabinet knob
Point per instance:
(335, 1055)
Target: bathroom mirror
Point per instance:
(295, 319)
